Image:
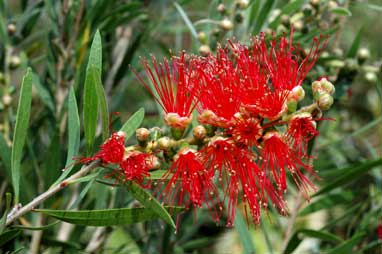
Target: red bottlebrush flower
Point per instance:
(271, 105)
(172, 82)
(278, 157)
(111, 151)
(245, 130)
(379, 231)
(135, 166)
(237, 169)
(190, 184)
(301, 129)
(218, 87)
(288, 65)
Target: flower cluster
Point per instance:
(251, 134)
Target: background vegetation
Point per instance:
(53, 38)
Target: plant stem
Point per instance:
(15, 214)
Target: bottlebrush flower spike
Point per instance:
(135, 166)
(112, 151)
(238, 172)
(288, 65)
(301, 129)
(218, 88)
(190, 184)
(172, 83)
(278, 157)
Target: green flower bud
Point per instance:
(325, 101)
(202, 37)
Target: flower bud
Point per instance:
(14, 62)
(221, 8)
(239, 18)
(307, 10)
(285, 20)
(226, 24)
(325, 101)
(327, 86)
(154, 162)
(297, 93)
(204, 50)
(371, 77)
(202, 37)
(199, 132)
(242, 4)
(142, 135)
(164, 143)
(121, 134)
(176, 121)
(11, 28)
(7, 99)
(363, 54)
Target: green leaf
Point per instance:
(148, 201)
(296, 238)
(263, 14)
(158, 174)
(3, 220)
(86, 178)
(120, 241)
(328, 201)
(9, 235)
(102, 101)
(347, 246)
(255, 7)
(73, 135)
(245, 235)
(352, 52)
(90, 100)
(43, 93)
(5, 155)
(107, 217)
(133, 123)
(341, 11)
(21, 129)
(186, 20)
(35, 228)
(350, 174)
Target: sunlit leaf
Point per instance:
(21, 129)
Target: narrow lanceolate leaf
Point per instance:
(347, 246)
(262, 16)
(186, 20)
(96, 77)
(350, 174)
(21, 129)
(73, 135)
(296, 238)
(352, 52)
(90, 106)
(245, 235)
(107, 217)
(3, 220)
(328, 201)
(148, 201)
(8, 235)
(5, 155)
(133, 123)
(341, 11)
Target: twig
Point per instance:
(16, 213)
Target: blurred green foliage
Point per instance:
(54, 39)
